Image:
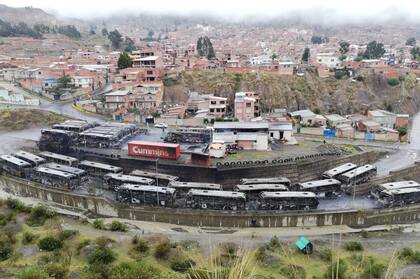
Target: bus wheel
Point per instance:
(204, 206)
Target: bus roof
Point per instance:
(29, 156)
(15, 161)
(358, 171)
(213, 193)
(154, 175)
(266, 180)
(196, 185)
(64, 168)
(54, 172)
(319, 183)
(288, 194)
(100, 165)
(260, 187)
(340, 169)
(57, 156)
(399, 185)
(130, 178)
(147, 188)
(402, 191)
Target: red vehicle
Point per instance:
(154, 150)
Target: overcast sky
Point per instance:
(351, 10)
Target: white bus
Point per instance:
(266, 180)
(113, 180)
(211, 199)
(400, 197)
(376, 192)
(335, 172)
(289, 200)
(161, 178)
(146, 195)
(358, 175)
(325, 187)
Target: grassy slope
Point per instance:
(18, 119)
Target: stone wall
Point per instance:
(107, 208)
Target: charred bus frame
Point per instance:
(253, 191)
(14, 166)
(327, 187)
(32, 159)
(183, 188)
(266, 180)
(55, 178)
(400, 197)
(114, 180)
(146, 195)
(358, 175)
(288, 200)
(59, 158)
(335, 172)
(99, 169)
(210, 199)
(376, 192)
(160, 178)
(79, 173)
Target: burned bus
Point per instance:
(99, 169)
(56, 140)
(266, 180)
(328, 188)
(14, 166)
(358, 175)
(55, 178)
(59, 159)
(74, 126)
(182, 188)
(160, 178)
(146, 195)
(32, 159)
(253, 191)
(288, 200)
(79, 173)
(335, 172)
(376, 191)
(211, 199)
(113, 180)
(399, 197)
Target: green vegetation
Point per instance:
(316, 40)
(353, 246)
(162, 250)
(374, 50)
(21, 29)
(116, 39)
(393, 81)
(124, 61)
(306, 55)
(344, 48)
(69, 31)
(205, 47)
(415, 52)
(409, 255)
(38, 215)
(411, 41)
(50, 243)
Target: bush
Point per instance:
(229, 249)
(50, 243)
(39, 214)
(353, 246)
(325, 254)
(137, 270)
(293, 272)
(274, 243)
(99, 224)
(364, 234)
(118, 227)
(393, 81)
(28, 238)
(261, 254)
(162, 250)
(67, 234)
(81, 245)
(101, 256)
(6, 218)
(6, 248)
(409, 255)
(372, 269)
(56, 270)
(17, 205)
(103, 241)
(332, 270)
(181, 264)
(32, 273)
(141, 246)
(339, 74)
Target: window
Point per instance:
(222, 102)
(248, 105)
(150, 72)
(211, 110)
(213, 102)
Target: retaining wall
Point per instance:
(107, 208)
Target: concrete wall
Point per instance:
(107, 208)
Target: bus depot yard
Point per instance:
(333, 189)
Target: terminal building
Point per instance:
(248, 135)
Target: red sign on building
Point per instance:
(154, 150)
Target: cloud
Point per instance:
(312, 10)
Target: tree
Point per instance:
(306, 54)
(69, 31)
(411, 41)
(415, 52)
(150, 35)
(124, 61)
(344, 48)
(316, 40)
(374, 50)
(116, 38)
(104, 32)
(273, 56)
(205, 47)
(64, 80)
(129, 44)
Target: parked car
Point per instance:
(161, 125)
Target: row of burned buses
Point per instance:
(84, 134)
(398, 193)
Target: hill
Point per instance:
(326, 95)
(18, 119)
(28, 15)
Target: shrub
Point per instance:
(67, 234)
(181, 264)
(229, 249)
(6, 218)
(141, 246)
(353, 246)
(6, 248)
(261, 254)
(32, 273)
(372, 269)
(101, 256)
(81, 245)
(162, 250)
(292, 271)
(337, 273)
(339, 74)
(409, 255)
(50, 243)
(118, 227)
(17, 205)
(56, 270)
(393, 81)
(325, 254)
(39, 214)
(364, 234)
(103, 241)
(137, 270)
(28, 238)
(99, 224)
(274, 243)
